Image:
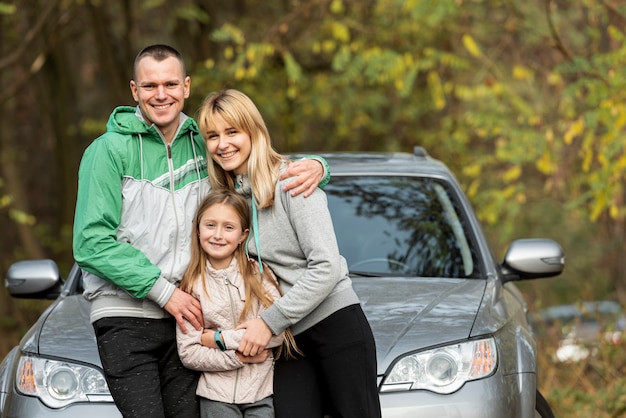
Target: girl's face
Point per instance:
(229, 147)
(220, 233)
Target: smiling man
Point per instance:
(138, 188)
(160, 87)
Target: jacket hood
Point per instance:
(128, 120)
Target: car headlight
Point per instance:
(444, 369)
(60, 383)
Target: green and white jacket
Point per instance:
(136, 200)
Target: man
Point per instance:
(138, 188)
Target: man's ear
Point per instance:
(133, 90)
(187, 87)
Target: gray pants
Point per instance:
(261, 409)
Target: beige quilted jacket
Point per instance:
(225, 377)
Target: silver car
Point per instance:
(450, 324)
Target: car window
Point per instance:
(399, 225)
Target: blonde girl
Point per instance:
(231, 290)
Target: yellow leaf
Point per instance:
(574, 130)
(598, 206)
(512, 174)
(336, 6)
(521, 73)
(554, 78)
(341, 32)
(471, 45)
(5, 201)
(328, 46)
(472, 170)
(508, 191)
(22, 217)
(545, 164)
(472, 190)
(603, 160)
(436, 90)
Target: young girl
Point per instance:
(231, 291)
(296, 238)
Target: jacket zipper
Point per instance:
(233, 312)
(170, 165)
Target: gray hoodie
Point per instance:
(297, 240)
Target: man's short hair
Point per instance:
(158, 52)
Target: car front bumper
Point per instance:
(498, 396)
(20, 406)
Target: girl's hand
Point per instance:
(208, 338)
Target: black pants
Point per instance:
(142, 368)
(336, 376)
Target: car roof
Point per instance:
(418, 162)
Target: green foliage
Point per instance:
(522, 100)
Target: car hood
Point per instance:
(406, 314)
(410, 314)
(67, 332)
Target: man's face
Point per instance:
(160, 89)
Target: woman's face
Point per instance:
(229, 147)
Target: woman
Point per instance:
(337, 373)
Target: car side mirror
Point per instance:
(532, 259)
(34, 279)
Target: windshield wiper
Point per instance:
(367, 273)
(377, 274)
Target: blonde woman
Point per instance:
(336, 374)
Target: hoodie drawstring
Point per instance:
(257, 242)
(195, 160)
(141, 155)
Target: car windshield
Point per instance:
(401, 226)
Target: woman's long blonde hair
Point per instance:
(240, 112)
(253, 281)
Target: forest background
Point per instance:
(523, 100)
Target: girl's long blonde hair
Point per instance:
(253, 281)
(240, 112)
